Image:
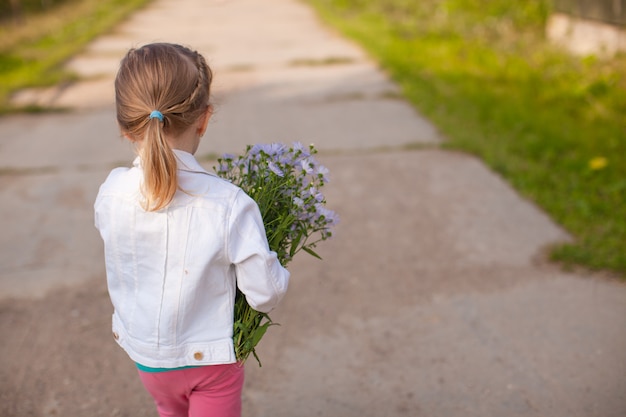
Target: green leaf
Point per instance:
(258, 334)
(311, 252)
(257, 358)
(295, 243)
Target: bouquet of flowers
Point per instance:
(285, 182)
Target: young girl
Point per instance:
(178, 240)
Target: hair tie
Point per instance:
(156, 114)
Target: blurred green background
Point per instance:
(37, 37)
(18, 9)
(551, 123)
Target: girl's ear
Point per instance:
(203, 120)
(128, 136)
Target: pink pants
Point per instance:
(205, 391)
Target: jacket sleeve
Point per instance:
(260, 276)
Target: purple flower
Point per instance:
(321, 171)
(274, 168)
(269, 149)
(306, 165)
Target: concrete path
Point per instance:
(433, 298)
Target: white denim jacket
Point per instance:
(172, 274)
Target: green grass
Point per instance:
(32, 53)
(484, 74)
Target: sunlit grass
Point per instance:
(551, 123)
(33, 51)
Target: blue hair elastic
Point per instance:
(156, 114)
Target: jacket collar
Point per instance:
(186, 162)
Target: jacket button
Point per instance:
(198, 356)
(116, 336)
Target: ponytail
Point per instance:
(159, 167)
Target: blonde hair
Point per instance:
(175, 81)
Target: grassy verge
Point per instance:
(32, 53)
(550, 123)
